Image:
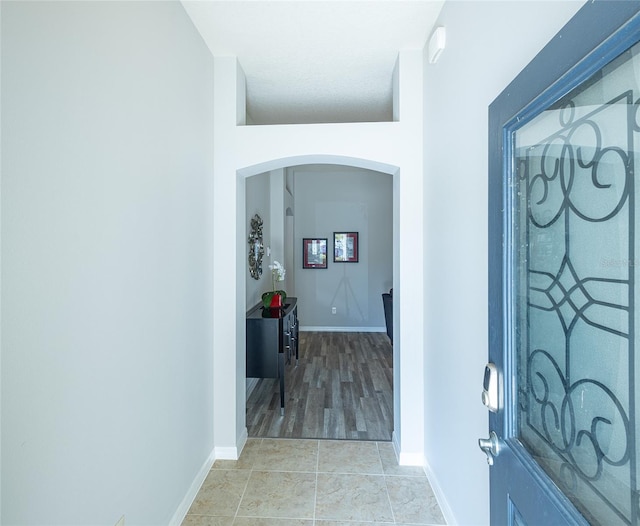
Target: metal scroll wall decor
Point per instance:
(256, 247)
(574, 201)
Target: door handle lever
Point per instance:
(491, 446)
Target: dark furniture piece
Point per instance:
(387, 303)
(272, 340)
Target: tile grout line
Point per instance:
(315, 493)
(235, 516)
(380, 448)
(386, 486)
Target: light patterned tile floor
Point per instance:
(290, 482)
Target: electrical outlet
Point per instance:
(333, 310)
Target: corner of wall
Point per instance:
(241, 97)
(232, 453)
(396, 88)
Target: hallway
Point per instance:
(342, 388)
(288, 482)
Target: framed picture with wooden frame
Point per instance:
(345, 247)
(314, 252)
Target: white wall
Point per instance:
(266, 196)
(488, 44)
(107, 390)
(343, 199)
(258, 201)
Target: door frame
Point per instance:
(598, 32)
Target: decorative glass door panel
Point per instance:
(573, 277)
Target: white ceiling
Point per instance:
(310, 61)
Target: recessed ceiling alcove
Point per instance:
(315, 61)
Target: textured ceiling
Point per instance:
(311, 61)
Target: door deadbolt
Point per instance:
(490, 387)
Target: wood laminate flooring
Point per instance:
(342, 388)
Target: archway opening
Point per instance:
(288, 213)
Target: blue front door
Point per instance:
(563, 281)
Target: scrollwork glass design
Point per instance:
(574, 280)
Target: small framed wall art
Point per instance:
(314, 252)
(345, 247)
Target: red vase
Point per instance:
(276, 301)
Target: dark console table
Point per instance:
(272, 341)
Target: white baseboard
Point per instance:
(440, 497)
(406, 459)
(225, 453)
(232, 453)
(411, 459)
(186, 503)
(433, 481)
(342, 329)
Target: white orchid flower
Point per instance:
(277, 271)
